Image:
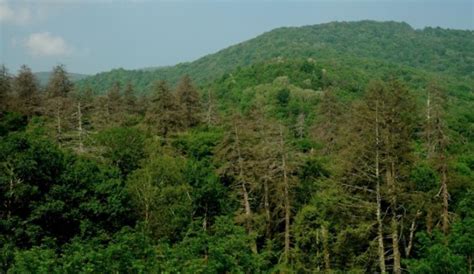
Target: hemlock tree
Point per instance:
(26, 89)
(114, 105)
(211, 116)
(189, 100)
(130, 99)
(5, 87)
(328, 120)
(163, 114)
(381, 148)
(58, 89)
(236, 154)
(84, 102)
(436, 137)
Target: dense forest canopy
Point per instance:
(341, 147)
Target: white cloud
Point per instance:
(19, 15)
(45, 44)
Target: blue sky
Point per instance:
(91, 36)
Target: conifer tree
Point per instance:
(211, 108)
(163, 113)
(329, 115)
(189, 100)
(273, 165)
(437, 140)
(237, 154)
(59, 104)
(5, 87)
(26, 89)
(381, 147)
(114, 105)
(130, 99)
(84, 104)
(59, 85)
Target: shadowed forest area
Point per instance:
(334, 148)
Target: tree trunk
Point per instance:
(286, 198)
(79, 127)
(412, 234)
(325, 238)
(245, 194)
(58, 121)
(429, 222)
(204, 227)
(209, 108)
(429, 128)
(266, 203)
(9, 201)
(147, 214)
(396, 249)
(204, 220)
(469, 264)
(445, 195)
(394, 223)
(381, 248)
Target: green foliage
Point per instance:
(162, 196)
(129, 251)
(437, 257)
(122, 147)
(35, 260)
(424, 178)
(298, 171)
(225, 248)
(51, 196)
(11, 121)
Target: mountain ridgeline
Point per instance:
(434, 50)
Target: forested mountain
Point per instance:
(342, 147)
(355, 43)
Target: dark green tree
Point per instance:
(163, 114)
(5, 88)
(130, 99)
(26, 90)
(190, 102)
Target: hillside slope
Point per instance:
(432, 49)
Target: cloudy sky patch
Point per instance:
(43, 44)
(9, 15)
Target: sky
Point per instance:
(91, 36)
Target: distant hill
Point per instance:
(43, 77)
(434, 50)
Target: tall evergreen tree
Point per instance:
(190, 102)
(59, 85)
(5, 87)
(84, 105)
(163, 114)
(59, 104)
(114, 106)
(237, 155)
(211, 108)
(436, 137)
(381, 145)
(329, 117)
(26, 89)
(130, 99)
